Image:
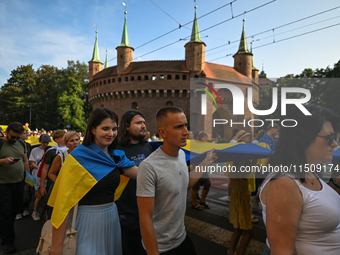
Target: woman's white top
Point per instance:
(318, 229)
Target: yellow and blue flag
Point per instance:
(83, 168)
(195, 151)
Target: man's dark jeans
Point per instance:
(11, 199)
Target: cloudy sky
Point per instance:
(41, 32)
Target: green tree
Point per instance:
(71, 98)
(16, 95)
(82, 71)
(45, 103)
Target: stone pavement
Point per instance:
(209, 229)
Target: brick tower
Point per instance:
(195, 50)
(95, 65)
(124, 51)
(243, 58)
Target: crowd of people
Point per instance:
(132, 200)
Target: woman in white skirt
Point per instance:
(97, 221)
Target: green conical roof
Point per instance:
(125, 37)
(95, 55)
(195, 33)
(252, 58)
(263, 74)
(106, 61)
(243, 48)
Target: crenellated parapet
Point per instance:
(139, 94)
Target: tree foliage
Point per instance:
(323, 85)
(47, 98)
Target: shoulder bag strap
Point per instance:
(75, 211)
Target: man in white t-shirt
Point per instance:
(34, 160)
(162, 184)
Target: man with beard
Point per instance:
(13, 162)
(131, 135)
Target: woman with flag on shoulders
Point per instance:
(89, 177)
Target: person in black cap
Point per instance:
(34, 159)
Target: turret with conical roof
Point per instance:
(255, 71)
(195, 50)
(263, 74)
(95, 65)
(124, 50)
(106, 61)
(243, 58)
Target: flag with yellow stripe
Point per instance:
(82, 169)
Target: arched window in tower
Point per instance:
(154, 77)
(146, 77)
(100, 83)
(113, 80)
(139, 78)
(169, 103)
(102, 105)
(184, 77)
(177, 77)
(104, 82)
(169, 77)
(134, 105)
(126, 78)
(119, 79)
(132, 78)
(108, 81)
(161, 77)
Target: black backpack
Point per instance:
(22, 143)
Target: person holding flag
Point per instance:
(89, 177)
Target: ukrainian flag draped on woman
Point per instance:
(82, 169)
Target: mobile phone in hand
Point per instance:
(16, 159)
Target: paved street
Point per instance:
(209, 229)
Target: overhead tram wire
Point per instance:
(288, 38)
(284, 39)
(166, 13)
(209, 27)
(180, 27)
(231, 42)
(300, 27)
(270, 30)
(260, 6)
(188, 23)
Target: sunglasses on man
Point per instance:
(14, 137)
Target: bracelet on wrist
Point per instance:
(335, 183)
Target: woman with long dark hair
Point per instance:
(300, 210)
(92, 185)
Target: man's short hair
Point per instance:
(58, 134)
(16, 127)
(163, 113)
(270, 126)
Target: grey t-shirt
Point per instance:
(12, 173)
(166, 179)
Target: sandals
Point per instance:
(205, 205)
(196, 207)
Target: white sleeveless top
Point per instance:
(318, 229)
